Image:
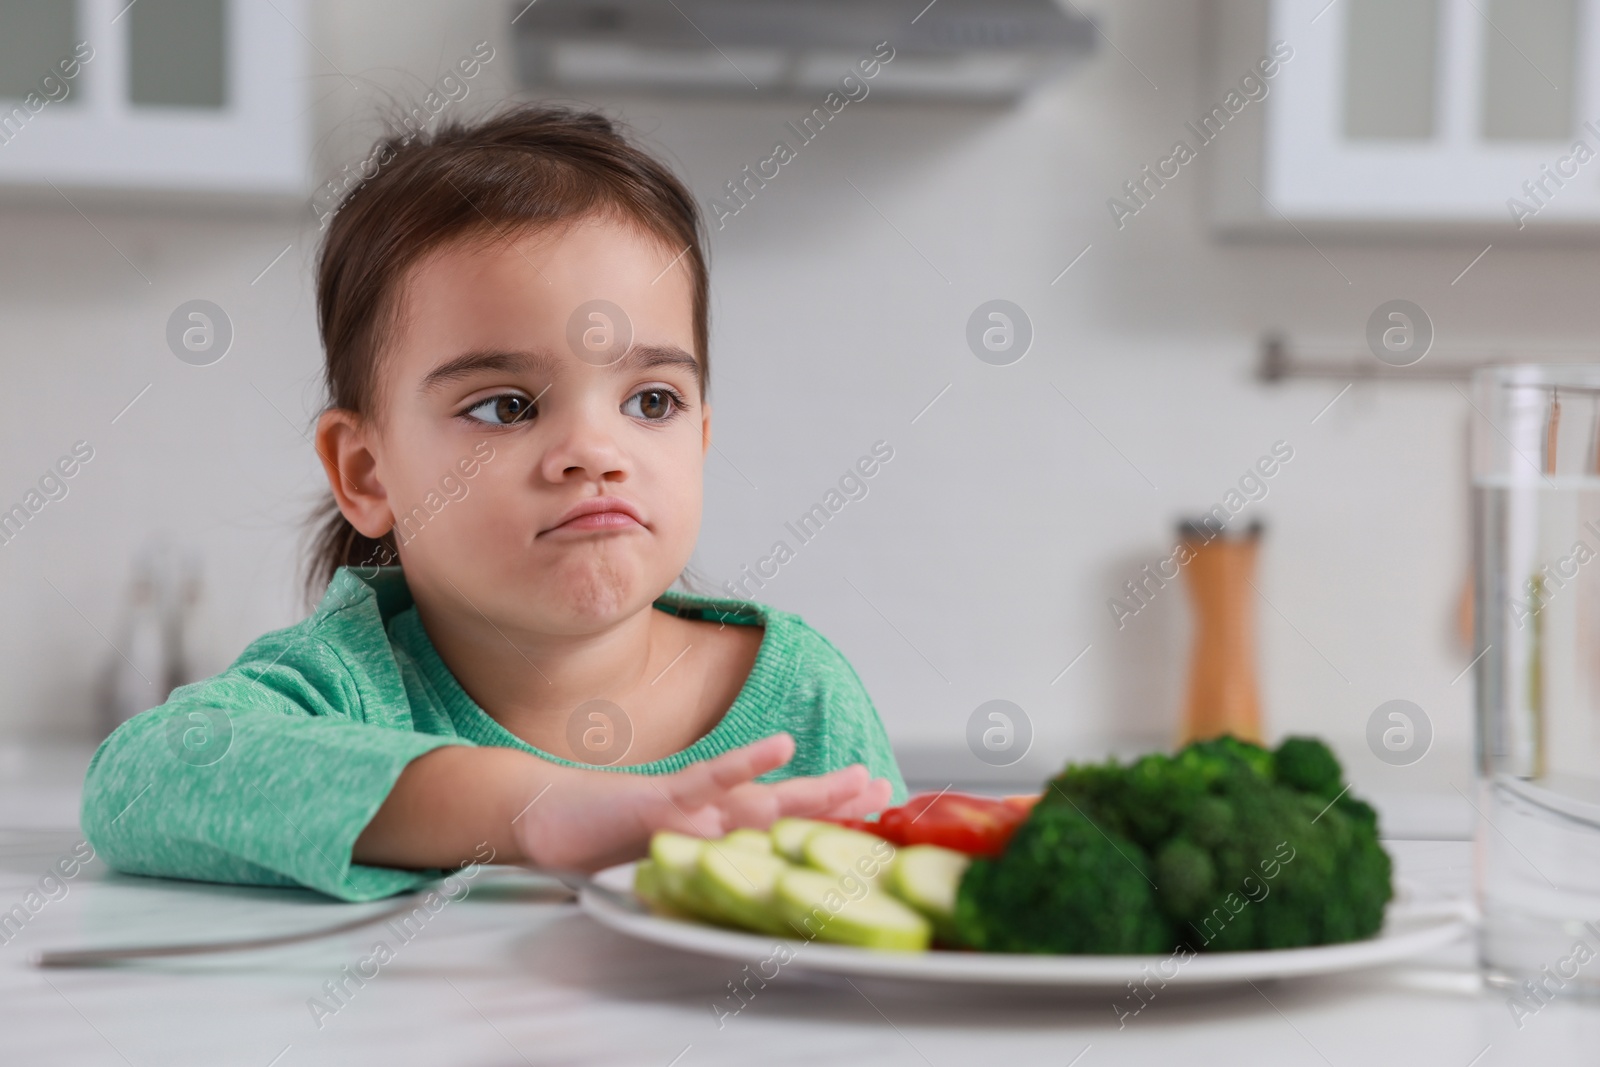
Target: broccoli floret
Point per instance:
(1359, 811)
(1306, 764)
(1243, 848)
(1062, 885)
(1209, 821)
(1223, 756)
(1186, 878)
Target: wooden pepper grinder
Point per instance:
(1222, 695)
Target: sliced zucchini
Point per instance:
(927, 877)
(674, 859)
(839, 851)
(751, 840)
(789, 837)
(647, 883)
(647, 887)
(814, 906)
(738, 884)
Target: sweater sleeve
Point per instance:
(263, 775)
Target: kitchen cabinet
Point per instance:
(167, 96)
(1475, 112)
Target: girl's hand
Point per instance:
(587, 820)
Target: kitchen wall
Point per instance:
(980, 563)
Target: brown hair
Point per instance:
(526, 166)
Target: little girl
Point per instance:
(515, 322)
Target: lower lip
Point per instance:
(599, 521)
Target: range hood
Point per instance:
(962, 49)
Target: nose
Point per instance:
(584, 445)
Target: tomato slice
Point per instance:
(978, 826)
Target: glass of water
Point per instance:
(1536, 503)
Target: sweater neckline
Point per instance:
(747, 719)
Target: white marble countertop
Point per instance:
(512, 973)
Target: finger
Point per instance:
(871, 798)
(756, 804)
(707, 822)
(752, 805)
(705, 782)
(818, 796)
(874, 798)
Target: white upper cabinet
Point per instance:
(1427, 111)
(187, 96)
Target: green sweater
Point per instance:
(267, 773)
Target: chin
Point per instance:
(583, 595)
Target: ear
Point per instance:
(705, 429)
(344, 446)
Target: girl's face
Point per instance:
(508, 398)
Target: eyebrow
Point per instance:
(638, 357)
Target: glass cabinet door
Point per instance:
(1435, 110)
(163, 95)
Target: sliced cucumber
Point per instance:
(750, 840)
(738, 884)
(839, 851)
(927, 877)
(789, 837)
(815, 906)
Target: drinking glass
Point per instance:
(1536, 504)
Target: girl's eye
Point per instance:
(502, 410)
(654, 405)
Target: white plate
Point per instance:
(1411, 928)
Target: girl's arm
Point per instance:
(281, 772)
(239, 781)
(447, 804)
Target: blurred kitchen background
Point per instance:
(191, 157)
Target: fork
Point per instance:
(94, 957)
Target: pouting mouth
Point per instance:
(624, 514)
